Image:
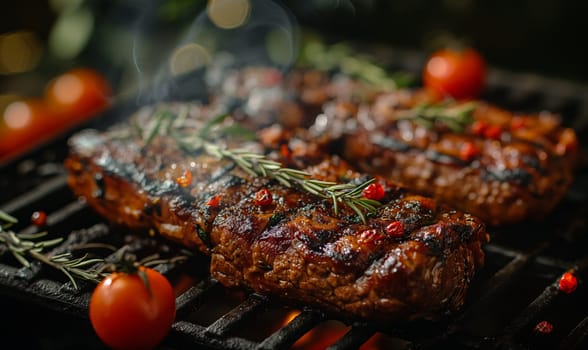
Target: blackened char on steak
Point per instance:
(504, 167)
(296, 247)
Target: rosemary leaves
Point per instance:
(256, 165)
(454, 116)
(23, 246)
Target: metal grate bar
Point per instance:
(287, 335)
(530, 313)
(353, 339)
(234, 317)
(59, 216)
(196, 335)
(188, 301)
(28, 198)
(576, 337)
(492, 287)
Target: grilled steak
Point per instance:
(502, 166)
(411, 258)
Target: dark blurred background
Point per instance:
(41, 38)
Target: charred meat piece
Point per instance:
(412, 258)
(501, 166)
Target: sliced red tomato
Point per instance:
(460, 74)
(128, 313)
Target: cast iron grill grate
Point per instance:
(517, 289)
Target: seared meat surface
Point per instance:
(411, 258)
(503, 167)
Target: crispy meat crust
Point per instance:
(518, 166)
(296, 248)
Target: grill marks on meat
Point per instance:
(520, 167)
(313, 256)
(295, 248)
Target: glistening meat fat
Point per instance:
(410, 258)
(501, 166)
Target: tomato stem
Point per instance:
(143, 274)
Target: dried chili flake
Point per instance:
(185, 180)
(39, 218)
(395, 229)
(285, 151)
(468, 151)
(478, 127)
(517, 123)
(214, 202)
(263, 197)
(543, 327)
(493, 132)
(374, 191)
(568, 283)
(370, 237)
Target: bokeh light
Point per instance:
(228, 14)
(17, 115)
(19, 52)
(188, 58)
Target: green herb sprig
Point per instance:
(23, 246)
(256, 165)
(342, 57)
(454, 116)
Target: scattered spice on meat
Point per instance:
(263, 197)
(395, 229)
(374, 191)
(185, 180)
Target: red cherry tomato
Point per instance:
(456, 74)
(128, 314)
(78, 94)
(24, 124)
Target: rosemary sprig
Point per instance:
(258, 165)
(341, 57)
(456, 117)
(25, 245)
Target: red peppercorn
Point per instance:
(185, 180)
(544, 327)
(478, 127)
(214, 201)
(263, 197)
(468, 151)
(395, 229)
(39, 218)
(370, 237)
(285, 151)
(493, 132)
(374, 191)
(517, 123)
(568, 283)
